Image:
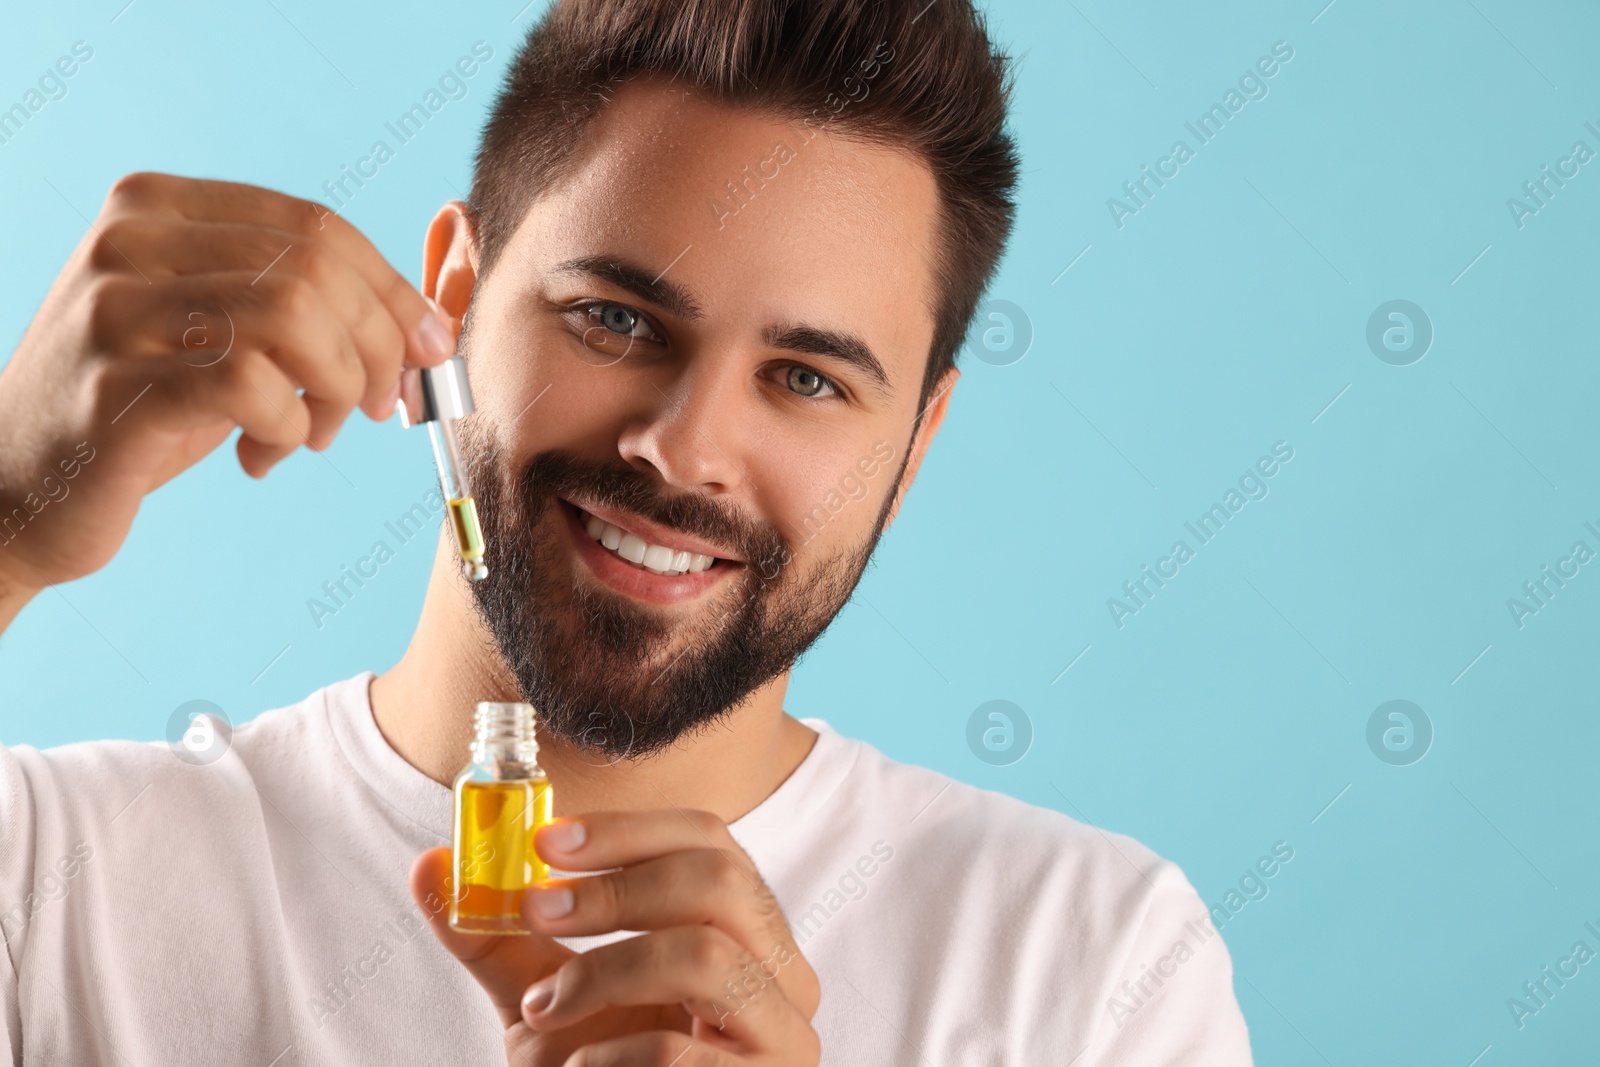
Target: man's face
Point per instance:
(660, 359)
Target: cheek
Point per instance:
(532, 383)
(817, 494)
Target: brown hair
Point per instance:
(927, 78)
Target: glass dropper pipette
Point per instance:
(439, 396)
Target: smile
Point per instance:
(649, 562)
(658, 559)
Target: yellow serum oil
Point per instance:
(469, 537)
(501, 798)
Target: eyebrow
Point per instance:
(630, 276)
(650, 286)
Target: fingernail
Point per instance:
(566, 836)
(435, 337)
(551, 902)
(391, 401)
(538, 998)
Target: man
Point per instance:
(715, 264)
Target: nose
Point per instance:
(687, 431)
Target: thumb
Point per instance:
(505, 965)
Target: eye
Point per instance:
(618, 318)
(613, 329)
(807, 382)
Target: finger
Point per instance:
(429, 339)
(189, 451)
(184, 247)
(502, 964)
(281, 314)
(700, 967)
(651, 1048)
(604, 839)
(684, 888)
(273, 418)
(256, 458)
(677, 867)
(155, 404)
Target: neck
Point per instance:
(424, 705)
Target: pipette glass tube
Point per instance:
(458, 497)
(439, 396)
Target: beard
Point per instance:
(605, 672)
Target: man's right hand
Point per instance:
(189, 308)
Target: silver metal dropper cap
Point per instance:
(428, 394)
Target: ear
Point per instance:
(931, 420)
(450, 260)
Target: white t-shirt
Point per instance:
(255, 910)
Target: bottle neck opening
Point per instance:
(505, 732)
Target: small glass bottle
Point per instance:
(501, 799)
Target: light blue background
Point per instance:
(1223, 317)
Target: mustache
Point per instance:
(559, 473)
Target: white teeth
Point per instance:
(632, 548)
(657, 559)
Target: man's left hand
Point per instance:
(714, 978)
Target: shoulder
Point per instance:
(1073, 928)
(98, 782)
(1033, 848)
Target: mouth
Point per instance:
(634, 565)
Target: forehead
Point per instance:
(761, 220)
